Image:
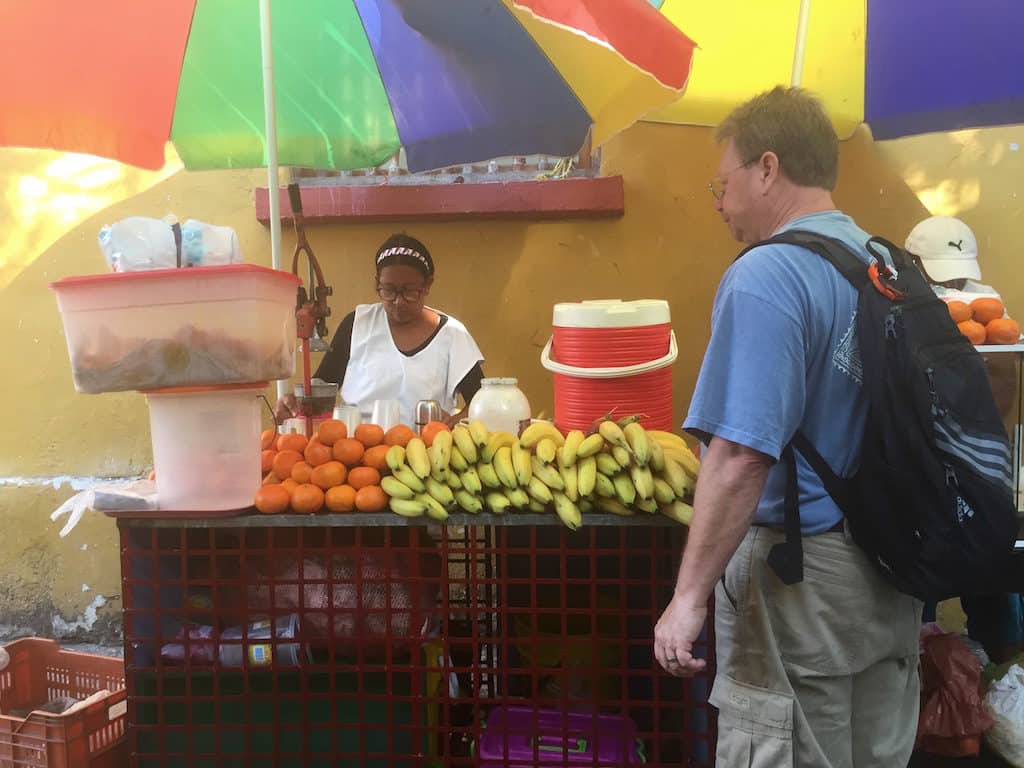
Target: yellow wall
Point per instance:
(501, 278)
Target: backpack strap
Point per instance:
(787, 557)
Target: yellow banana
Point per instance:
(685, 459)
(613, 434)
(497, 502)
(586, 475)
(471, 481)
(622, 456)
(624, 488)
(604, 486)
(682, 453)
(675, 477)
(571, 479)
(657, 460)
(440, 492)
(457, 460)
(440, 452)
(538, 430)
(591, 446)
(614, 506)
(497, 440)
(417, 459)
(536, 506)
(407, 507)
(519, 497)
(488, 477)
(607, 465)
(636, 436)
(663, 493)
(643, 481)
(478, 432)
(546, 450)
(435, 510)
(395, 457)
(539, 491)
(468, 501)
(522, 464)
(503, 467)
(679, 511)
(547, 475)
(395, 488)
(463, 440)
(406, 476)
(666, 438)
(585, 505)
(567, 453)
(646, 505)
(567, 511)
(454, 481)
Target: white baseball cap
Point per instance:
(947, 249)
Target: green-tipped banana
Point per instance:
(463, 440)
(591, 446)
(607, 465)
(643, 481)
(625, 420)
(441, 492)
(624, 488)
(679, 511)
(567, 511)
(498, 503)
(522, 464)
(546, 450)
(471, 481)
(468, 501)
(613, 434)
(639, 443)
(539, 430)
(488, 477)
(539, 491)
(519, 497)
(613, 506)
(567, 453)
(604, 486)
(497, 440)
(571, 479)
(395, 457)
(646, 505)
(395, 488)
(503, 467)
(457, 460)
(663, 493)
(586, 475)
(675, 477)
(657, 460)
(536, 506)
(585, 505)
(407, 477)
(435, 509)
(408, 507)
(622, 457)
(547, 474)
(440, 453)
(417, 459)
(454, 481)
(479, 433)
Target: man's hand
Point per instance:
(674, 635)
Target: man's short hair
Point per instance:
(791, 123)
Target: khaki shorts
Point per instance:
(822, 673)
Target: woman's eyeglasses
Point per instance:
(389, 293)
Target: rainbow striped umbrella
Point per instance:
(451, 81)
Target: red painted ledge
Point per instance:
(591, 197)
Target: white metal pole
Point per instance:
(270, 121)
(801, 43)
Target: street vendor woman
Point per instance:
(399, 348)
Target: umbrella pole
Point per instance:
(801, 43)
(270, 120)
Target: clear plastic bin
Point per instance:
(178, 327)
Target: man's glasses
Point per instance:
(717, 185)
(387, 293)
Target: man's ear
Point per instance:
(769, 168)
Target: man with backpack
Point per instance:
(821, 671)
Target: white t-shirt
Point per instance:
(378, 370)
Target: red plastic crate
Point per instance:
(523, 616)
(91, 737)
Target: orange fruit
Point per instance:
(371, 498)
(267, 460)
(270, 479)
(317, 453)
(430, 429)
(301, 472)
(973, 330)
(328, 475)
(399, 435)
(1002, 330)
(376, 457)
(289, 485)
(360, 477)
(340, 498)
(959, 311)
(293, 441)
(987, 309)
(272, 499)
(283, 463)
(369, 435)
(267, 438)
(348, 451)
(331, 431)
(307, 498)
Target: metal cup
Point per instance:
(427, 411)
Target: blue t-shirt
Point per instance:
(783, 355)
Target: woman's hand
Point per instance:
(451, 419)
(286, 408)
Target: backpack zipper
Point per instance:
(937, 410)
(890, 321)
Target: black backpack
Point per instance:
(932, 501)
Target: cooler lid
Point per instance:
(611, 313)
(165, 274)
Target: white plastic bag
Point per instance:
(1005, 700)
(130, 496)
(138, 243)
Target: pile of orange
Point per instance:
(328, 472)
(984, 321)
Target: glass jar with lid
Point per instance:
(501, 405)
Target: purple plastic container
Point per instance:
(511, 735)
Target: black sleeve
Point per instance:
(470, 383)
(335, 361)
